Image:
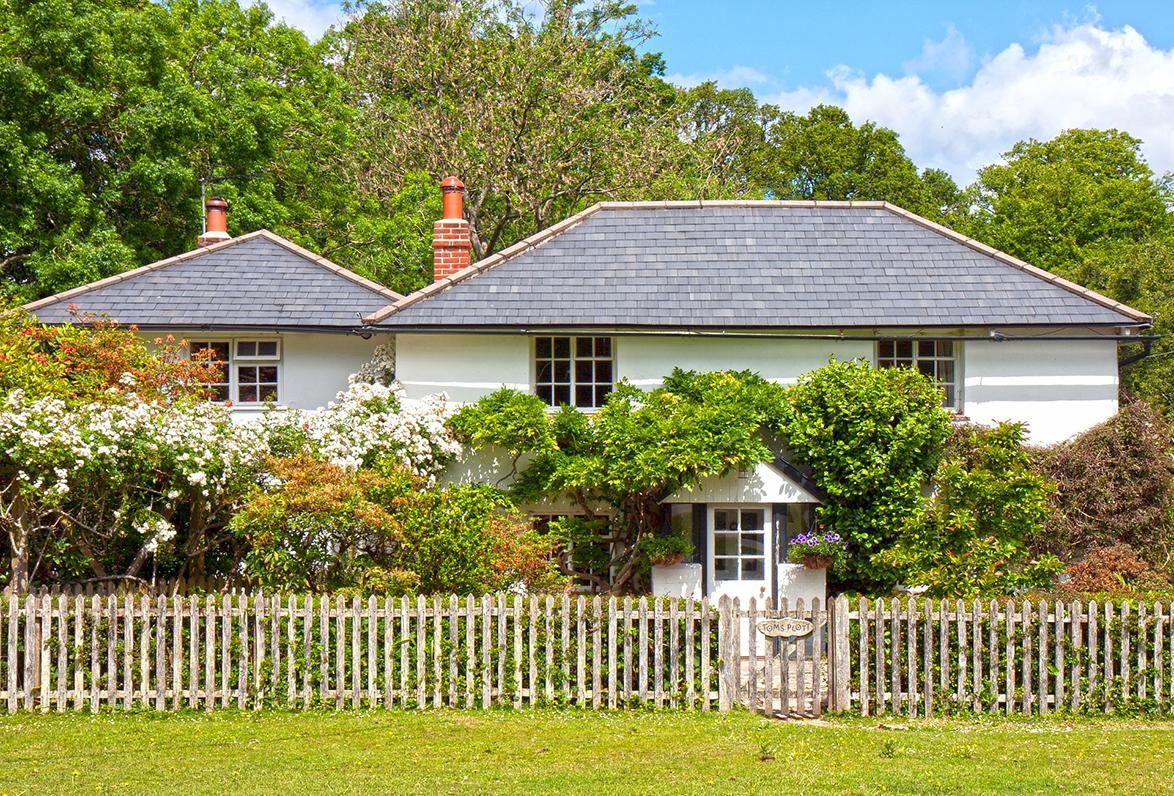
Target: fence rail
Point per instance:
(921, 657)
(61, 652)
(917, 657)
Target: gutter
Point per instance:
(993, 335)
(1147, 349)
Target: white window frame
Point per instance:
(767, 530)
(235, 361)
(957, 404)
(573, 359)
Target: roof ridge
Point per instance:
(481, 266)
(1021, 265)
(333, 267)
(264, 234)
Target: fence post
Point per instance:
(726, 656)
(841, 700)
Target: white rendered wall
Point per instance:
(465, 366)
(315, 367)
(1058, 388)
(644, 361)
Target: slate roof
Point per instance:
(768, 264)
(259, 280)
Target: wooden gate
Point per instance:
(781, 661)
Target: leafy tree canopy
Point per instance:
(1051, 201)
(823, 155)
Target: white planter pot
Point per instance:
(678, 580)
(797, 581)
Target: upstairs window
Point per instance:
(933, 358)
(577, 371)
(250, 370)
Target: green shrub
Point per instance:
(872, 438)
(972, 538)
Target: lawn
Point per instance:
(573, 752)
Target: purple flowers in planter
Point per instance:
(818, 548)
(808, 539)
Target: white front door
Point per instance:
(740, 552)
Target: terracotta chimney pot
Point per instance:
(216, 226)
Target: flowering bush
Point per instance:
(92, 359)
(319, 526)
(114, 478)
(819, 548)
(368, 423)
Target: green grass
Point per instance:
(574, 752)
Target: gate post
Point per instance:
(726, 659)
(839, 670)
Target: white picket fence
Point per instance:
(63, 651)
(921, 657)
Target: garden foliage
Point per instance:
(987, 505)
(621, 462)
(872, 438)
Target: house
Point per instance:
(632, 290)
(286, 323)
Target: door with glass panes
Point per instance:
(740, 552)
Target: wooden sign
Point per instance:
(785, 628)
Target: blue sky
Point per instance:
(959, 81)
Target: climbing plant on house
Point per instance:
(873, 439)
(623, 461)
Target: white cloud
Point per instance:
(312, 17)
(951, 56)
(734, 77)
(1079, 76)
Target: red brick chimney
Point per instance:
(450, 235)
(216, 227)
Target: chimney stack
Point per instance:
(450, 235)
(216, 227)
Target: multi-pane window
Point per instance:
(934, 358)
(214, 352)
(249, 369)
(739, 544)
(573, 370)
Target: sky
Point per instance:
(959, 81)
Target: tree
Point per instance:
(824, 156)
(1052, 202)
(726, 133)
(539, 116)
(112, 110)
(618, 465)
(873, 439)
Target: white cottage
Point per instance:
(632, 290)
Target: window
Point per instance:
(573, 370)
(739, 544)
(933, 358)
(250, 369)
(214, 352)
